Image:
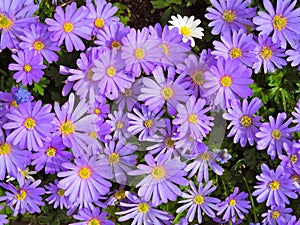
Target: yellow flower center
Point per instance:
(275, 214)
(90, 74)
(5, 23)
(158, 172)
(99, 23)
(21, 196)
(279, 22)
(29, 123)
(27, 68)
(198, 199)
(61, 192)
(94, 222)
(232, 202)
(14, 104)
(84, 173)
(120, 125)
(246, 121)
(167, 93)
(116, 44)
(113, 158)
(276, 134)
(97, 111)
(235, 53)
(197, 78)
(120, 194)
(193, 118)
(274, 185)
(68, 27)
(226, 81)
(38, 45)
(229, 16)
(205, 156)
(148, 123)
(139, 53)
(185, 31)
(67, 128)
(169, 143)
(128, 92)
(143, 207)
(23, 172)
(111, 71)
(51, 152)
(93, 134)
(5, 149)
(296, 178)
(294, 159)
(165, 48)
(266, 53)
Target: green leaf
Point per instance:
(159, 4)
(40, 86)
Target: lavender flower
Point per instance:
(277, 215)
(91, 217)
(57, 196)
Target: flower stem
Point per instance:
(251, 200)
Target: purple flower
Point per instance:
(204, 158)
(244, 125)
(200, 201)
(69, 26)
(3, 219)
(268, 55)
(12, 158)
(21, 95)
(74, 125)
(29, 67)
(31, 125)
(38, 39)
(91, 217)
(119, 124)
(102, 15)
(57, 196)
(293, 221)
(155, 93)
(24, 198)
(283, 22)
(14, 17)
(192, 120)
(275, 135)
(111, 36)
(277, 215)
(85, 180)
(140, 51)
(162, 180)
(109, 71)
(274, 187)
(235, 206)
(144, 122)
(229, 80)
(121, 158)
(230, 15)
(291, 161)
(294, 56)
(142, 212)
(296, 114)
(238, 45)
(222, 156)
(51, 156)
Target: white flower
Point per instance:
(187, 27)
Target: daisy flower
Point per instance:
(57, 196)
(222, 156)
(244, 125)
(294, 56)
(277, 215)
(230, 79)
(91, 217)
(155, 93)
(275, 135)
(68, 26)
(119, 124)
(198, 200)
(282, 22)
(291, 162)
(24, 198)
(109, 71)
(269, 55)
(29, 66)
(38, 39)
(142, 212)
(188, 27)
(238, 45)
(192, 119)
(230, 15)
(3, 219)
(274, 187)
(31, 125)
(84, 180)
(140, 51)
(164, 175)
